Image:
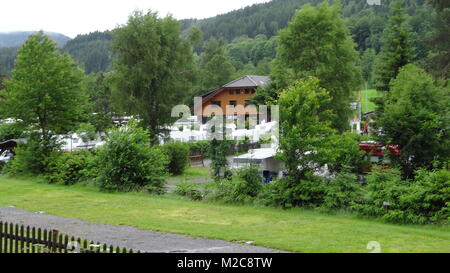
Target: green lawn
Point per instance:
(367, 105)
(295, 230)
(194, 172)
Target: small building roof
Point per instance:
(248, 81)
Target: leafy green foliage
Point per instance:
(382, 186)
(342, 192)
(178, 157)
(396, 51)
(7, 57)
(344, 154)
(199, 147)
(86, 131)
(101, 103)
(45, 90)
(154, 68)
(440, 42)
(127, 163)
(215, 67)
(416, 117)
(189, 189)
(219, 164)
(11, 131)
(287, 192)
(71, 168)
(317, 43)
(423, 200)
(30, 158)
(304, 128)
(242, 188)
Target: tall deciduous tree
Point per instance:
(154, 68)
(45, 91)
(396, 50)
(305, 126)
(317, 43)
(416, 117)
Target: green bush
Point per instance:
(383, 185)
(287, 192)
(199, 147)
(345, 154)
(250, 181)
(426, 200)
(188, 189)
(70, 168)
(423, 200)
(12, 131)
(178, 157)
(342, 192)
(28, 159)
(242, 188)
(127, 162)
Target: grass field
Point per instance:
(294, 230)
(194, 171)
(367, 105)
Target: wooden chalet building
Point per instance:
(234, 93)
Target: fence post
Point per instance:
(1, 236)
(16, 241)
(11, 241)
(28, 241)
(54, 241)
(22, 239)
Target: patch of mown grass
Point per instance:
(194, 172)
(367, 95)
(294, 230)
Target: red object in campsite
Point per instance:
(377, 149)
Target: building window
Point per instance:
(238, 91)
(253, 91)
(247, 91)
(215, 103)
(233, 103)
(230, 91)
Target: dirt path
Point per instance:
(126, 236)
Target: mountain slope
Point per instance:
(17, 38)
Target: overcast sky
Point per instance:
(72, 17)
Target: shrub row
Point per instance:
(426, 199)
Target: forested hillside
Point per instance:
(17, 38)
(248, 35)
(92, 51)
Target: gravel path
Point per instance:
(127, 236)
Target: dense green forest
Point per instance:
(249, 34)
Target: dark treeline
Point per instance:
(92, 51)
(248, 34)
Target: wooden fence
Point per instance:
(20, 239)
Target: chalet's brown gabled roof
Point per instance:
(244, 81)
